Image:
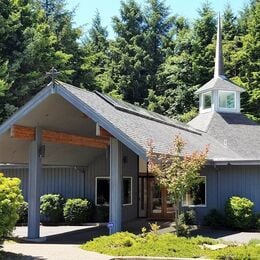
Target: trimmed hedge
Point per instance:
(10, 200)
(239, 212)
(77, 211)
(51, 208)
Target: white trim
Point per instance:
(131, 183)
(105, 177)
(200, 205)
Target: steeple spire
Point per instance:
(219, 65)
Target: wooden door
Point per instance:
(160, 205)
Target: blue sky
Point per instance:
(85, 9)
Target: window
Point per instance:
(226, 99)
(127, 190)
(102, 191)
(197, 195)
(206, 99)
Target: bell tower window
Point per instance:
(227, 99)
(206, 100)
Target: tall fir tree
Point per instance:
(95, 62)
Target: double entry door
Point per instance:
(159, 202)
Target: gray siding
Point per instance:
(227, 181)
(67, 181)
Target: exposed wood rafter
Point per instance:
(28, 133)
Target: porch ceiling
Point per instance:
(56, 114)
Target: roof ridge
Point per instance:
(120, 108)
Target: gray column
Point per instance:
(35, 170)
(115, 208)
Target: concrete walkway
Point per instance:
(51, 252)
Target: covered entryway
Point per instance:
(57, 129)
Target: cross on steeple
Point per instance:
(53, 73)
(219, 64)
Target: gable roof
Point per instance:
(131, 125)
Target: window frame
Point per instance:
(106, 177)
(199, 205)
(203, 100)
(235, 101)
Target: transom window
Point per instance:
(227, 99)
(196, 197)
(206, 100)
(102, 191)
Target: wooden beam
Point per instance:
(28, 133)
(104, 133)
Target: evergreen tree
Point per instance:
(203, 49)
(128, 56)
(95, 62)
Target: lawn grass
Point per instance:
(168, 245)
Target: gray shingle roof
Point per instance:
(236, 131)
(141, 128)
(219, 83)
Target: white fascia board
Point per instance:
(103, 122)
(29, 106)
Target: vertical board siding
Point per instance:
(69, 182)
(227, 181)
(243, 181)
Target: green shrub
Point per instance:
(10, 199)
(51, 208)
(77, 211)
(23, 212)
(190, 217)
(183, 228)
(239, 212)
(214, 219)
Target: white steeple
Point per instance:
(219, 64)
(219, 94)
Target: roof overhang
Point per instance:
(38, 100)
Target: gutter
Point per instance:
(232, 162)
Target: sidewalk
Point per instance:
(51, 252)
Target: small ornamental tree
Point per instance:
(177, 172)
(10, 201)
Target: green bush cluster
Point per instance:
(10, 200)
(77, 211)
(51, 208)
(168, 245)
(54, 209)
(239, 212)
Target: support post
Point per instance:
(116, 180)
(35, 171)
